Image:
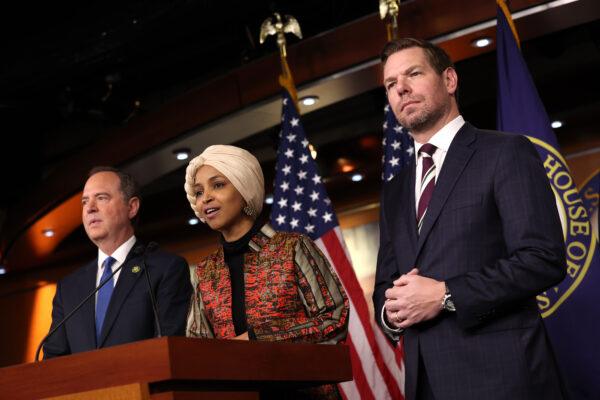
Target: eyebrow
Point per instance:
(412, 68)
(211, 179)
(95, 195)
(405, 72)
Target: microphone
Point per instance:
(137, 251)
(149, 249)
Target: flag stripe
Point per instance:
(358, 372)
(346, 273)
(388, 351)
(348, 390)
(393, 356)
(361, 344)
(365, 352)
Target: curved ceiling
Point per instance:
(173, 60)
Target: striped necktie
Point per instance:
(104, 294)
(427, 181)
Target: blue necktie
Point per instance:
(104, 295)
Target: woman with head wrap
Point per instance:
(259, 284)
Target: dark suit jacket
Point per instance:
(129, 316)
(491, 232)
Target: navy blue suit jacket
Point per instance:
(129, 316)
(491, 232)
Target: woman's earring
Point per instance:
(249, 210)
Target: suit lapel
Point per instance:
(455, 162)
(127, 280)
(88, 311)
(400, 206)
(409, 205)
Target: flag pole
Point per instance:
(390, 9)
(277, 26)
(508, 16)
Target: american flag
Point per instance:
(398, 152)
(301, 204)
(398, 146)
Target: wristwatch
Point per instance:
(447, 303)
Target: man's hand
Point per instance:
(413, 299)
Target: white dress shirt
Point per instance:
(442, 140)
(120, 254)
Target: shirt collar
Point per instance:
(120, 254)
(443, 138)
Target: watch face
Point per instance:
(449, 304)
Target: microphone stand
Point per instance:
(136, 252)
(150, 248)
(65, 319)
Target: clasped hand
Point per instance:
(413, 299)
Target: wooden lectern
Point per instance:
(179, 368)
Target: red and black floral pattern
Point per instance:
(291, 292)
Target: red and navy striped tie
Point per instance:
(427, 181)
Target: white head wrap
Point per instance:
(239, 166)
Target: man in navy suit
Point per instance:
(121, 311)
(469, 235)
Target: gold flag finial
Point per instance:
(390, 8)
(275, 25)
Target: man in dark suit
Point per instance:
(470, 235)
(121, 311)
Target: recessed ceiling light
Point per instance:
(193, 221)
(269, 199)
(182, 154)
(481, 42)
(48, 232)
(357, 177)
(309, 100)
(557, 124)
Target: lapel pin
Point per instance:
(136, 269)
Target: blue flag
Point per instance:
(571, 308)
